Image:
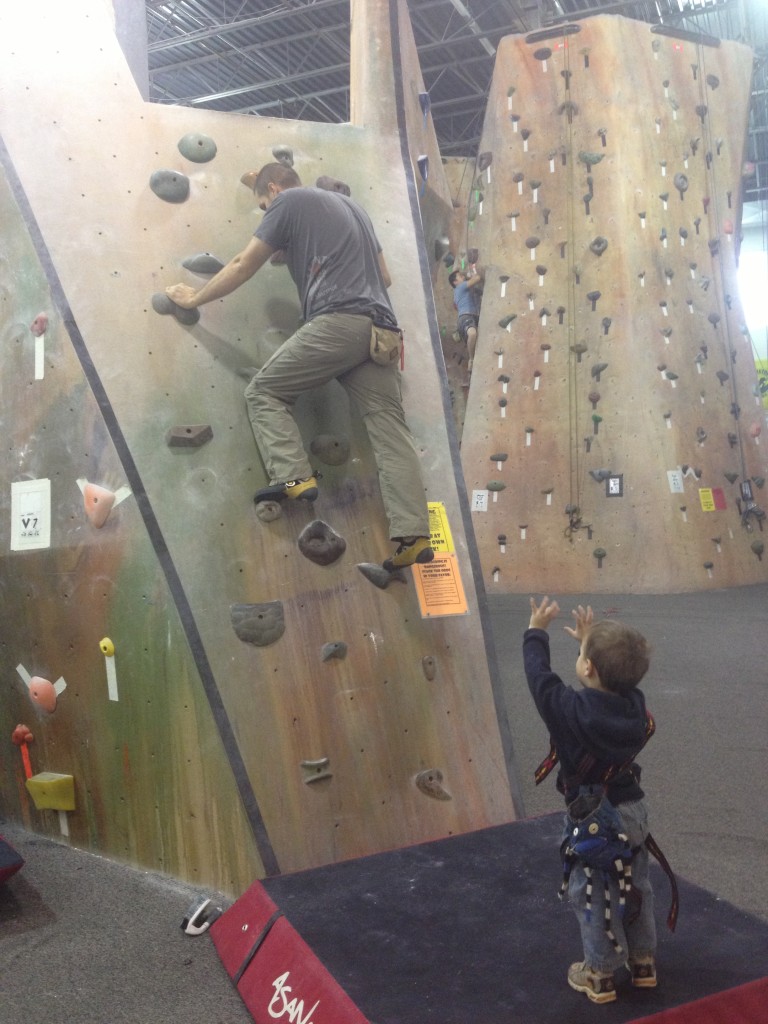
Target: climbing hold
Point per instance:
(333, 185)
(495, 485)
(593, 297)
(429, 666)
(722, 376)
(332, 449)
(315, 771)
(43, 693)
(197, 148)
(194, 436)
(283, 155)
(758, 547)
(484, 160)
(107, 647)
(268, 511)
(170, 186)
(379, 576)
(594, 398)
(590, 159)
(52, 791)
(165, 306)
(98, 503)
(681, 183)
(507, 320)
(599, 554)
(600, 474)
(598, 245)
(579, 349)
(258, 624)
(39, 325)
(449, 259)
(320, 543)
(203, 263)
(334, 649)
(430, 783)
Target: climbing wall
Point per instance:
(199, 690)
(613, 438)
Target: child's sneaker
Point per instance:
(643, 971)
(598, 986)
(411, 550)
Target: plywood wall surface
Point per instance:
(203, 767)
(613, 416)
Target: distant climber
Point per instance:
(465, 299)
(337, 264)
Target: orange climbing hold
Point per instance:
(98, 504)
(43, 693)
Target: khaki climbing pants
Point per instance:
(336, 345)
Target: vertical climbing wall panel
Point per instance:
(262, 710)
(613, 436)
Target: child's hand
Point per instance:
(583, 617)
(542, 614)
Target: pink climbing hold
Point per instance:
(39, 325)
(98, 504)
(43, 693)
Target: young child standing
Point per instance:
(596, 732)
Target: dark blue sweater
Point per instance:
(608, 726)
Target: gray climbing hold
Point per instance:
(258, 624)
(333, 185)
(268, 511)
(165, 306)
(283, 155)
(332, 449)
(430, 782)
(197, 148)
(598, 245)
(429, 665)
(495, 485)
(203, 263)
(171, 186)
(320, 543)
(335, 649)
(379, 576)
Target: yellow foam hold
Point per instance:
(52, 791)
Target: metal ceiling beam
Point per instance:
(222, 28)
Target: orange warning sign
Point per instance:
(439, 586)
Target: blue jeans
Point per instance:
(637, 939)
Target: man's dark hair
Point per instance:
(278, 174)
(452, 278)
(620, 654)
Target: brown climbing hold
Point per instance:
(430, 783)
(98, 503)
(193, 436)
(268, 511)
(379, 576)
(429, 667)
(258, 624)
(320, 543)
(333, 185)
(335, 649)
(316, 770)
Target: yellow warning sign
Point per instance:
(439, 530)
(439, 586)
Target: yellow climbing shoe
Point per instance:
(411, 550)
(293, 489)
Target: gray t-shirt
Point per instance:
(331, 251)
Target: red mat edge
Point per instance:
(745, 1004)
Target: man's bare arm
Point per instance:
(240, 269)
(384, 270)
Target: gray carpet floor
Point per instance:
(87, 941)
